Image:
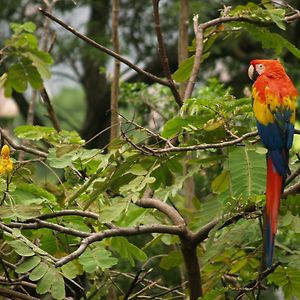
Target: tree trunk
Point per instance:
(95, 84)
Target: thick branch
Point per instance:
(292, 190)
(183, 39)
(104, 49)
(163, 53)
(15, 295)
(163, 207)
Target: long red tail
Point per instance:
(273, 193)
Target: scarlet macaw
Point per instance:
(274, 101)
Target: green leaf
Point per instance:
(247, 172)
(72, 269)
(95, 258)
(21, 248)
(20, 211)
(221, 182)
(184, 71)
(41, 61)
(271, 40)
(30, 193)
(27, 26)
(46, 282)
(185, 68)
(288, 279)
(38, 272)
(128, 250)
(58, 288)
(112, 212)
(33, 132)
(172, 260)
(28, 264)
(277, 16)
(17, 78)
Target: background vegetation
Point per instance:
(143, 180)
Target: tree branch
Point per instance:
(163, 53)
(197, 60)
(51, 112)
(158, 151)
(21, 147)
(119, 231)
(168, 210)
(104, 49)
(228, 19)
(15, 295)
(43, 224)
(69, 212)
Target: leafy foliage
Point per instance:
(26, 64)
(89, 201)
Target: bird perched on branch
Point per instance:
(274, 101)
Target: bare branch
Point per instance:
(163, 53)
(227, 19)
(163, 207)
(43, 224)
(104, 49)
(158, 151)
(292, 190)
(69, 212)
(11, 294)
(183, 38)
(119, 231)
(197, 60)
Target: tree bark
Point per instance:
(95, 84)
(114, 130)
(189, 251)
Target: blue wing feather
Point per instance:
(278, 139)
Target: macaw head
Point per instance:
(271, 68)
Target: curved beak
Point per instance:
(251, 72)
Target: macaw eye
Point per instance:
(259, 68)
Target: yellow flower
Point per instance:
(5, 152)
(6, 164)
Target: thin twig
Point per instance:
(151, 133)
(158, 151)
(104, 49)
(51, 112)
(292, 176)
(163, 53)
(43, 224)
(252, 285)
